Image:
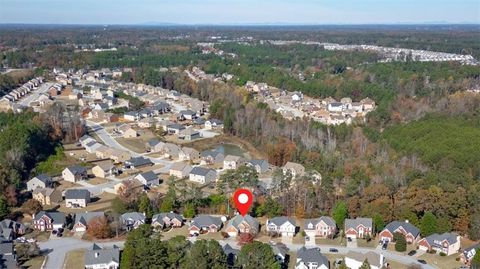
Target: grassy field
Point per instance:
(209, 143)
(103, 203)
(75, 259)
(447, 262)
(34, 263)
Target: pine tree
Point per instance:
(340, 213)
(145, 206)
(428, 224)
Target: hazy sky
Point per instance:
(238, 11)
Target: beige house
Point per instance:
(296, 169)
(180, 170)
(103, 152)
(119, 156)
(104, 170)
(130, 133)
(232, 162)
(188, 154)
(47, 196)
(74, 173)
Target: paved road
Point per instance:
(33, 96)
(60, 247)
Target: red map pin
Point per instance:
(243, 200)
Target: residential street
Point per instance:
(60, 247)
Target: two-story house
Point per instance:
(240, 224)
(283, 226)
(411, 233)
(358, 228)
(448, 243)
(324, 226)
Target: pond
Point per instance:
(231, 149)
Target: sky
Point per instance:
(239, 11)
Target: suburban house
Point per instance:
(202, 175)
(280, 251)
(283, 226)
(240, 224)
(104, 170)
(75, 198)
(131, 116)
(187, 115)
(180, 170)
(448, 243)
(148, 178)
(232, 162)
(40, 181)
(164, 220)
(119, 156)
(205, 224)
(127, 131)
(154, 145)
(324, 226)
(83, 219)
(74, 173)
(295, 169)
(189, 134)
(47, 221)
(354, 260)
(137, 162)
(261, 166)
(311, 259)
(468, 254)
(132, 220)
(10, 229)
(169, 150)
(411, 233)
(358, 228)
(98, 257)
(175, 128)
(210, 157)
(47, 196)
(213, 124)
(103, 152)
(188, 154)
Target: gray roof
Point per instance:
(311, 255)
(408, 227)
(228, 250)
(328, 220)
(353, 223)
(77, 169)
(149, 176)
(238, 219)
(281, 220)
(176, 126)
(44, 178)
(217, 122)
(188, 112)
(138, 161)
(201, 171)
(170, 215)
(56, 217)
(210, 153)
(255, 162)
(6, 248)
(153, 142)
(134, 216)
(372, 257)
(86, 217)
(451, 238)
(98, 255)
(206, 220)
(77, 194)
(477, 246)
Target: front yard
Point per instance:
(75, 259)
(34, 263)
(436, 260)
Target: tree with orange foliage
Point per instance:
(99, 228)
(245, 238)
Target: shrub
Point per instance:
(443, 254)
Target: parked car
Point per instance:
(54, 232)
(422, 261)
(349, 239)
(411, 253)
(385, 245)
(333, 250)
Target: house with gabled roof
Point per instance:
(10, 229)
(448, 243)
(311, 258)
(132, 220)
(40, 181)
(467, 254)
(242, 224)
(358, 228)
(324, 227)
(137, 162)
(97, 257)
(355, 260)
(47, 221)
(75, 198)
(295, 169)
(284, 226)
(261, 166)
(148, 178)
(211, 157)
(170, 219)
(83, 219)
(74, 173)
(104, 170)
(213, 124)
(205, 224)
(188, 154)
(180, 170)
(47, 196)
(411, 233)
(232, 162)
(202, 175)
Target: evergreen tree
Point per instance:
(476, 260)
(340, 213)
(378, 222)
(4, 209)
(189, 210)
(400, 242)
(206, 254)
(428, 224)
(145, 206)
(257, 255)
(365, 265)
